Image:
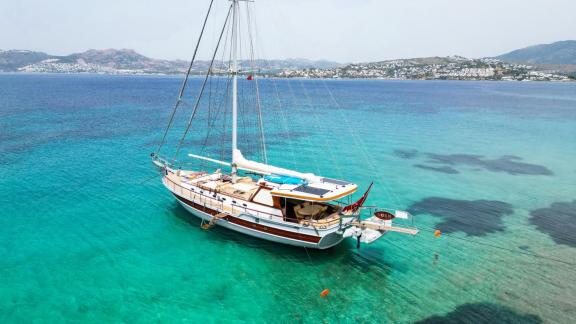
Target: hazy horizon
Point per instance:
(370, 30)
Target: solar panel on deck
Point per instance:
(311, 190)
(336, 182)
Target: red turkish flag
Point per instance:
(351, 209)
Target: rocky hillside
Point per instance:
(11, 61)
(126, 61)
(558, 53)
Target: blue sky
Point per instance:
(344, 31)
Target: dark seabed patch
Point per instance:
(483, 313)
(442, 169)
(406, 154)
(473, 217)
(508, 163)
(558, 221)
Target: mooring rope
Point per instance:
(494, 246)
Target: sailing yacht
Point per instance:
(263, 200)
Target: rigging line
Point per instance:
(224, 96)
(242, 112)
(244, 104)
(227, 102)
(307, 138)
(258, 107)
(284, 125)
(211, 124)
(311, 106)
(432, 230)
(359, 144)
(185, 82)
(260, 123)
(255, 123)
(224, 128)
(241, 104)
(203, 86)
(330, 129)
(154, 177)
(283, 118)
(214, 119)
(242, 86)
(320, 279)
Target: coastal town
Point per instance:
(434, 68)
(429, 68)
(53, 66)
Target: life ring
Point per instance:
(384, 215)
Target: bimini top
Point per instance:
(324, 190)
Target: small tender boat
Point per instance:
(262, 200)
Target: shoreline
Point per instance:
(274, 77)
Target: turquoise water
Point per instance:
(83, 236)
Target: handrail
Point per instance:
(232, 206)
(212, 198)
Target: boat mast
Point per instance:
(234, 85)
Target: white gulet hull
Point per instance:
(244, 222)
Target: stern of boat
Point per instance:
(380, 222)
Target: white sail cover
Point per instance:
(261, 168)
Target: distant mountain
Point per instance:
(127, 61)
(13, 59)
(558, 53)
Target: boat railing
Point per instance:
(219, 205)
(160, 160)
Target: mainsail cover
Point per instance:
(261, 168)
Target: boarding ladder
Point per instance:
(212, 221)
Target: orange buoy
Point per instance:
(437, 233)
(324, 292)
